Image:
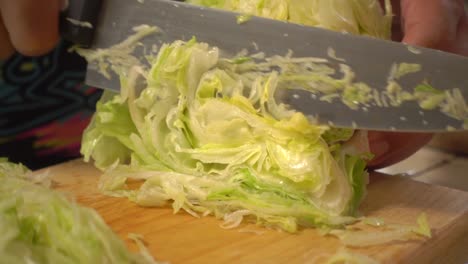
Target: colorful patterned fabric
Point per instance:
(44, 107)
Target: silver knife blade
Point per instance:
(370, 59)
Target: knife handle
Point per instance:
(78, 19)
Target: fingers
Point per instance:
(461, 46)
(392, 147)
(438, 24)
(6, 48)
(32, 25)
(432, 23)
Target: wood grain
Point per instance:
(182, 238)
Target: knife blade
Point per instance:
(370, 58)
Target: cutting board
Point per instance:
(181, 238)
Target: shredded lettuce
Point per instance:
(40, 225)
(344, 256)
(389, 233)
(243, 18)
(401, 69)
(334, 135)
(429, 97)
(360, 17)
(117, 58)
(207, 134)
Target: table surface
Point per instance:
(181, 238)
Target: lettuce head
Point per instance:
(205, 134)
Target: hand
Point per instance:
(28, 26)
(438, 24)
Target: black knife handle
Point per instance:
(86, 11)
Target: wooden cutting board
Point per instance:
(182, 238)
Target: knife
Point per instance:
(112, 22)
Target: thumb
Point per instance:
(431, 23)
(32, 25)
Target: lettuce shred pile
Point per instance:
(205, 134)
(39, 225)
